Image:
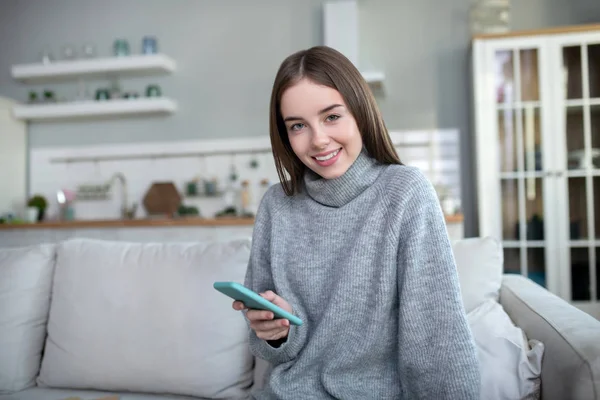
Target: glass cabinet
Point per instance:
(537, 132)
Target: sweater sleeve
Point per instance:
(259, 278)
(437, 354)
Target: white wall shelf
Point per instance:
(96, 67)
(94, 109)
(374, 77)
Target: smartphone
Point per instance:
(254, 301)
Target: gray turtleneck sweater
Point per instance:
(366, 262)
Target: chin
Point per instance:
(332, 172)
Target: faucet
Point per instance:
(126, 212)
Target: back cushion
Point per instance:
(480, 266)
(25, 284)
(144, 317)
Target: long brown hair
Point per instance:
(328, 67)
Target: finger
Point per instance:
(270, 325)
(238, 305)
(269, 295)
(274, 334)
(259, 315)
(275, 299)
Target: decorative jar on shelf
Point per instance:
(32, 214)
(153, 91)
(121, 48)
(149, 45)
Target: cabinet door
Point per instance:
(577, 109)
(13, 161)
(515, 154)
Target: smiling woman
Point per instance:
(326, 139)
(353, 243)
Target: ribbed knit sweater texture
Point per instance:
(365, 261)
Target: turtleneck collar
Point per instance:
(340, 191)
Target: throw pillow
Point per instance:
(511, 365)
(480, 266)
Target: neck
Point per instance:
(342, 190)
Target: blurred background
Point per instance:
(213, 75)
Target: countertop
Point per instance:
(155, 222)
(454, 219)
(120, 223)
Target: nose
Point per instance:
(320, 139)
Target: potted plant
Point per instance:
(38, 201)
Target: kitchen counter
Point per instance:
(455, 219)
(156, 222)
(119, 223)
(162, 230)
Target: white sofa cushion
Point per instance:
(25, 284)
(480, 268)
(144, 317)
(510, 365)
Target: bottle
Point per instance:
(246, 200)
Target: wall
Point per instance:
(534, 14)
(587, 11)
(13, 158)
(229, 50)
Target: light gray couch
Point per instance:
(142, 321)
(571, 365)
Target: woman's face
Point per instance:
(322, 131)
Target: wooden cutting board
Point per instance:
(162, 198)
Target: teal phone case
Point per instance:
(253, 300)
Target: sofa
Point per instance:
(87, 318)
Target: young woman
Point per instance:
(355, 244)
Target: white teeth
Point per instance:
(328, 157)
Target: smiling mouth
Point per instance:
(327, 156)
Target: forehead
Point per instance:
(306, 98)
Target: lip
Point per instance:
(325, 153)
(331, 161)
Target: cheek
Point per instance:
(348, 134)
(298, 145)
(354, 130)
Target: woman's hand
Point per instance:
(262, 322)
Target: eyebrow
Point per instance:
(328, 108)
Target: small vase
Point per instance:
(32, 214)
(121, 48)
(149, 45)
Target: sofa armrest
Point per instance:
(571, 363)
